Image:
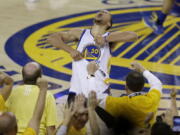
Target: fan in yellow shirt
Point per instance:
(7, 83)
(23, 99)
(136, 105)
(8, 123)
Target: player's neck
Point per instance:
(98, 30)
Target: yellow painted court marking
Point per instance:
(175, 60)
(161, 68)
(151, 43)
(169, 53)
(162, 46)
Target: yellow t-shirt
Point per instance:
(29, 131)
(135, 108)
(22, 102)
(73, 131)
(2, 103)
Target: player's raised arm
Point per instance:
(59, 40)
(126, 36)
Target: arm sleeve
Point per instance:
(51, 111)
(154, 82)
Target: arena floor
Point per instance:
(25, 25)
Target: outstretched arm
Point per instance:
(115, 37)
(7, 83)
(39, 108)
(58, 40)
(126, 36)
(154, 82)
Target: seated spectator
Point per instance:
(8, 122)
(23, 99)
(77, 115)
(7, 83)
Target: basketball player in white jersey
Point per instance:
(94, 45)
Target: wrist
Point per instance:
(66, 122)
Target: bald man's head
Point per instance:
(31, 71)
(8, 123)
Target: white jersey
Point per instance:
(91, 52)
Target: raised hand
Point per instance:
(137, 67)
(173, 93)
(92, 100)
(68, 114)
(42, 83)
(5, 79)
(76, 55)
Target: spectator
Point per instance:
(77, 115)
(137, 104)
(8, 123)
(23, 99)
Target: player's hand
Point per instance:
(100, 40)
(137, 67)
(173, 93)
(42, 83)
(5, 79)
(92, 67)
(54, 40)
(92, 100)
(76, 55)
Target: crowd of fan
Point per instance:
(30, 109)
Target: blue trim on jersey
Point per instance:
(81, 38)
